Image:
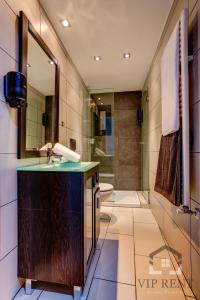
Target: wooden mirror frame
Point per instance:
(24, 28)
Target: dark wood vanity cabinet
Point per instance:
(58, 225)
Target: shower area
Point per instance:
(119, 127)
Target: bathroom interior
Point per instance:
(100, 150)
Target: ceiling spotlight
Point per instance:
(101, 103)
(50, 62)
(65, 23)
(126, 55)
(99, 98)
(97, 58)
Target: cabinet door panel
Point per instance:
(50, 190)
(50, 246)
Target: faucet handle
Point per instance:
(183, 210)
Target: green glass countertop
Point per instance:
(80, 167)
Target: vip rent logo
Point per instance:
(163, 277)
(165, 264)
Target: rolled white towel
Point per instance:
(67, 153)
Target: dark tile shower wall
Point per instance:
(127, 141)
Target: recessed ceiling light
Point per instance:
(126, 55)
(65, 23)
(99, 98)
(28, 65)
(97, 58)
(101, 103)
(51, 62)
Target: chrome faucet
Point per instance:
(53, 157)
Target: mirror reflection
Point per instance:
(41, 72)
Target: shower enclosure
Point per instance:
(119, 141)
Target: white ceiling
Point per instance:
(109, 28)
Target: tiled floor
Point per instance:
(121, 268)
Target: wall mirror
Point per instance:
(38, 119)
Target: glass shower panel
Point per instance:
(145, 144)
(103, 136)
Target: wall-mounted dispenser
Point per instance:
(15, 89)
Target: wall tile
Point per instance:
(73, 99)
(195, 228)
(195, 272)
(74, 120)
(8, 228)
(8, 128)
(195, 176)
(30, 8)
(62, 113)
(8, 178)
(154, 139)
(155, 116)
(63, 88)
(7, 64)
(154, 92)
(9, 283)
(195, 127)
(63, 135)
(173, 234)
(8, 41)
(194, 78)
(192, 4)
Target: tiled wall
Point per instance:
(73, 100)
(181, 231)
(127, 141)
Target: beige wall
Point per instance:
(182, 232)
(73, 100)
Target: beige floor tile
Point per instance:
(187, 290)
(54, 296)
(90, 274)
(143, 215)
(107, 290)
(107, 210)
(148, 239)
(151, 286)
(103, 226)
(22, 296)
(121, 221)
(116, 262)
(102, 234)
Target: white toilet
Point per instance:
(106, 191)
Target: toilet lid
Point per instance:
(105, 187)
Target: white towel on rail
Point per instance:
(170, 84)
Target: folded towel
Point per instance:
(168, 178)
(170, 84)
(46, 147)
(99, 152)
(67, 153)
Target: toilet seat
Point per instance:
(106, 187)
